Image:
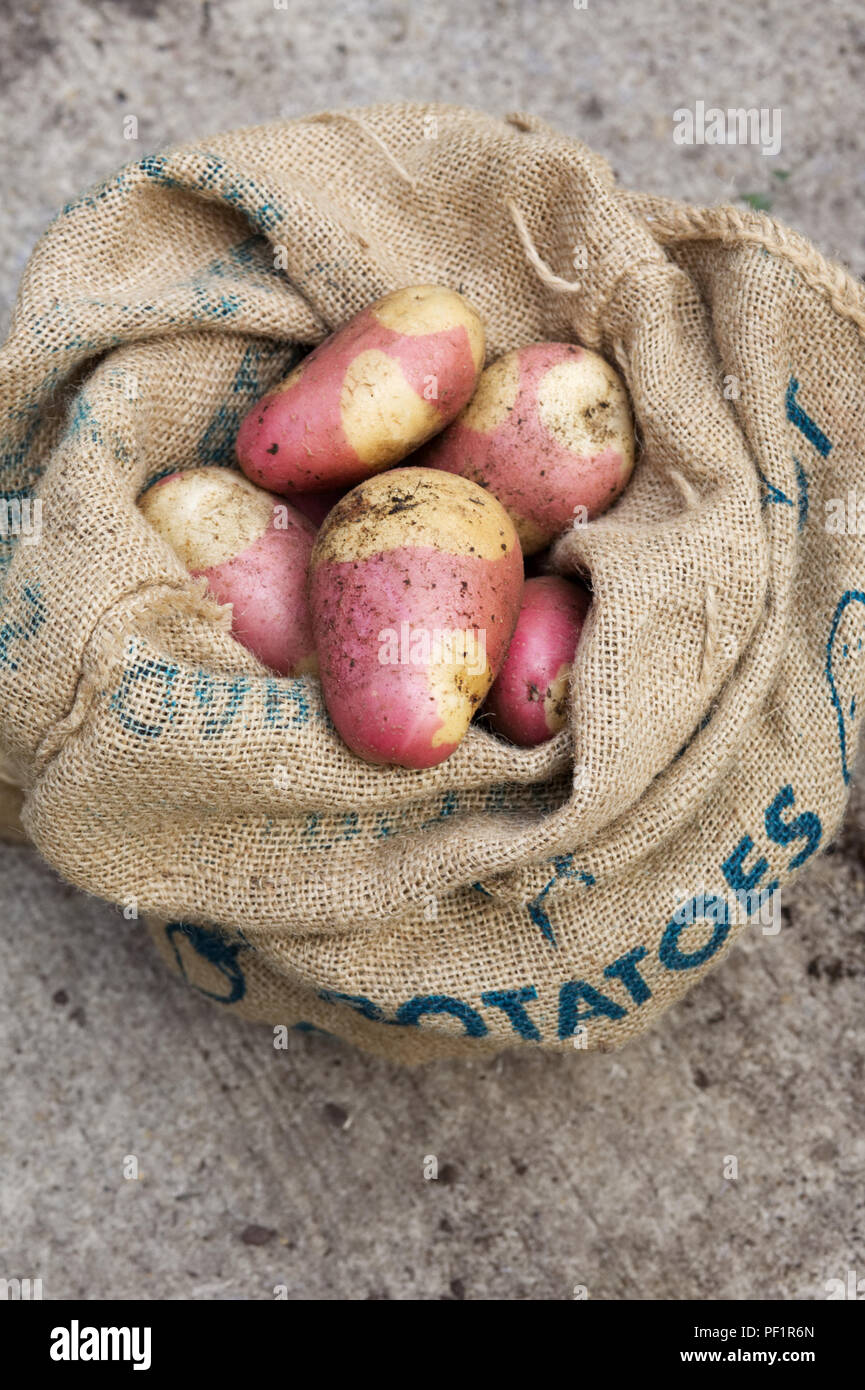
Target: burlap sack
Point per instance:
(566, 894)
(11, 801)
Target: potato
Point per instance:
(415, 584)
(549, 432)
(529, 701)
(252, 548)
(368, 395)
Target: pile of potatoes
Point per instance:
(404, 587)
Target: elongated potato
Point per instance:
(415, 584)
(252, 548)
(368, 395)
(528, 701)
(549, 432)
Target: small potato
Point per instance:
(253, 550)
(415, 584)
(528, 702)
(368, 395)
(549, 432)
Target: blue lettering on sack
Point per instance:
(358, 1002)
(497, 797)
(98, 193)
(771, 493)
(208, 303)
(414, 1009)
(82, 422)
(216, 445)
(155, 166)
(387, 823)
(213, 947)
(738, 877)
(59, 320)
(286, 704)
(254, 254)
(348, 829)
(564, 868)
(806, 827)
(625, 970)
(803, 422)
(449, 807)
(246, 379)
(512, 1003)
(570, 1016)
(802, 484)
(241, 192)
(843, 653)
(221, 699)
(580, 1000)
(16, 630)
(157, 477)
(540, 799)
(775, 495)
(705, 906)
(217, 177)
(815, 436)
(137, 677)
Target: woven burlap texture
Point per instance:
(546, 897)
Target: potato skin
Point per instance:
(253, 550)
(402, 558)
(549, 430)
(528, 701)
(368, 395)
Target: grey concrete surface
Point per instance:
(260, 1168)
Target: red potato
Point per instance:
(529, 700)
(368, 395)
(253, 550)
(549, 431)
(415, 584)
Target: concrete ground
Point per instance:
(260, 1168)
